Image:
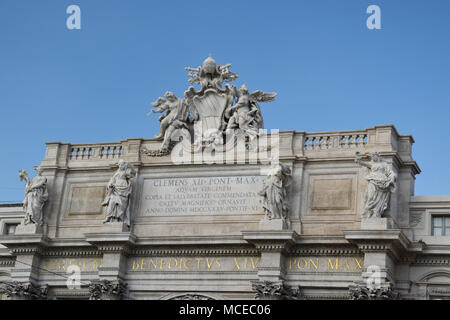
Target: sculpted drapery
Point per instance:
(36, 195)
(118, 194)
(274, 192)
(381, 184)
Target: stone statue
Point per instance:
(118, 194)
(209, 113)
(246, 114)
(36, 195)
(382, 182)
(176, 116)
(274, 192)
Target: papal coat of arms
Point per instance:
(212, 117)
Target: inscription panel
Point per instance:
(61, 264)
(200, 264)
(325, 264)
(202, 195)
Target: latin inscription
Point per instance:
(203, 195)
(326, 264)
(60, 265)
(195, 264)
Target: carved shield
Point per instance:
(210, 107)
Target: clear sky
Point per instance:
(330, 71)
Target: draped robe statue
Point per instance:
(118, 194)
(382, 183)
(36, 195)
(274, 192)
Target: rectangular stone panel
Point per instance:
(86, 200)
(331, 194)
(231, 195)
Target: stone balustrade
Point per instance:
(292, 144)
(96, 151)
(335, 141)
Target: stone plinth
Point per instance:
(31, 228)
(115, 227)
(275, 224)
(377, 224)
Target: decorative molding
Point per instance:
(7, 262)
(439, 291)
(194, 252)
(434, 260)
(27, 290)
(268, 290)
(106, 289)
(374, 247)
(72, 253)
(324, 252)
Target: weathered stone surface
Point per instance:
(197, 227)
(86, 200)
(332, 194)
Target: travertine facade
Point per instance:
(234, 229)
(196, 229)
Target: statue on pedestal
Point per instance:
(274, 192)
(118, 194)
(36, 195)
(382, 183)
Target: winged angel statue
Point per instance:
(212, 113)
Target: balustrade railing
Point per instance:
(97, 152)
(323, 141)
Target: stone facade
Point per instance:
(183, 245)
(216, 207)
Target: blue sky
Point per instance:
(331, 72)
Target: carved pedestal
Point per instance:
(31, 228)
(377, 223)
(115, 227)
(275, 224)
